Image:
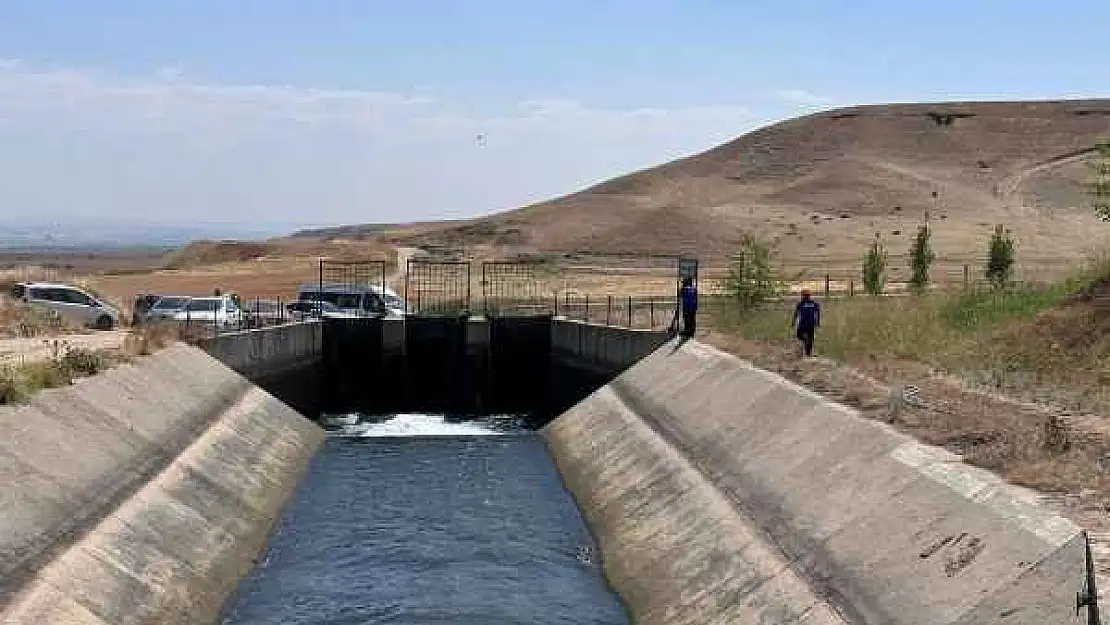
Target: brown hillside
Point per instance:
(825, 183)
(203, 253)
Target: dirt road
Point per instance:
(396, 280)
(15, 351)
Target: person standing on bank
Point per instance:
(807, 318)
(689, 307)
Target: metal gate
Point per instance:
(512, 288)
(437, 287)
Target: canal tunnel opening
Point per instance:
(438, 481)
(458, 365)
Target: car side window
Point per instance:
(77, 297)
(53, 295)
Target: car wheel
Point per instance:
(103, 322)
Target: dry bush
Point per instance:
(18, 319)
(18, 382)
(151, 337)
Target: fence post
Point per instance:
(629, 311)
(556, 313)
(852, 287)
(608, 309)
(586, 310)
(651, 311)
(967, 276)
(827, 281)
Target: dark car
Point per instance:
(309, 309)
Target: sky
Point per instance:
(322, 112)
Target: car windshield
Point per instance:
(171, 303)
(203, 305)
(340, 300)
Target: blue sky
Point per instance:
(354, 111)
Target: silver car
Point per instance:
(70, 302)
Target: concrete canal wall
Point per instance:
(143, 494)
(721, 493)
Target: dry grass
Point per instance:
(969, 355)
(289, 264)
(20, 320)
(19, 382)
(151, 337)
(21, 379)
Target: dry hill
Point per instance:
(824, 184)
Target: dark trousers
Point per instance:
(805, 335)
(689, 321)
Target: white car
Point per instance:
(210, 311)
(70, 302)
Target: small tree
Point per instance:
(752, 275)
(1100, 186)
(1000, 257)
(921, 258)
(874, 267)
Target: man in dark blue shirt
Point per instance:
(807, 318)
(689, 307)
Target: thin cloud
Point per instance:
(172, 146)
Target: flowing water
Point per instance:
(417, 519)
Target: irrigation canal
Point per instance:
(414, 518)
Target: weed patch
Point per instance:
(18, 382)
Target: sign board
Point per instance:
(687, 268)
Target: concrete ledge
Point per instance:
(602, 349)
(141, 495)
(881, 528)
(266, 351)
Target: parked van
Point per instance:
(70, 302)
(354, 299)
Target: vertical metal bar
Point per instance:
(651, 309)
(468, 287)
(586, 310)
(408, 275)
(629, 311)
(608, 308)
(827, 281)
(485, 290)
(320, 288)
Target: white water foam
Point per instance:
(412, 424)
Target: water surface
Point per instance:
(414, 519)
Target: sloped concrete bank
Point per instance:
(143, 494)
(721, 493)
